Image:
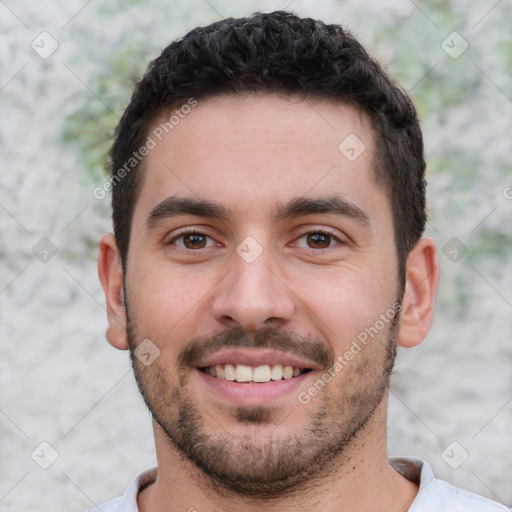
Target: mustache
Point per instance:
(268, 337)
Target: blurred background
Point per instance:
(73, 430)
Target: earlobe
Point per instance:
(110, 272)
(422, 276)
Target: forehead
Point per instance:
(267, 119)
(251, 151)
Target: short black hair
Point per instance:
(277, 53)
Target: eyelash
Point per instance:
(321, 231)
(186, 232)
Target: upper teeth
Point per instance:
(244, 373)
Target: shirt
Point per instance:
(434, 495)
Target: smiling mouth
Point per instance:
(253, 375)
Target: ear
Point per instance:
(422, 276)
(110, 272)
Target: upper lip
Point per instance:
(255, 357)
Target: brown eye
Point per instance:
(194, 241)
(318, 240)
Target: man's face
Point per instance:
(258, 243)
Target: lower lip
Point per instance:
(252, 394)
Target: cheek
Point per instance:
(167, 297)
(343, 303)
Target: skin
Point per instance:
(251, 155)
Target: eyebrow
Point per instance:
(175, 206)
(297, 207)
(333, 204)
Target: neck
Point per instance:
(362, 481)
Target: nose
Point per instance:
(252, 295)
